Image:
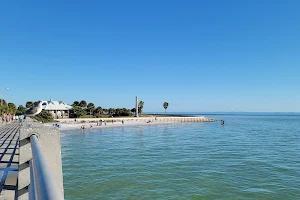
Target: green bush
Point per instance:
(44, 116)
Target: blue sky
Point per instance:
(197, 55)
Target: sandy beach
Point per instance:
(88, 123)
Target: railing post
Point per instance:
(32, 186)
(49, 140)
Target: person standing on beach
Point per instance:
(3, 118)
(7, 119)
(21, 118)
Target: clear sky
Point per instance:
(197, 55)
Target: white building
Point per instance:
(58, 109)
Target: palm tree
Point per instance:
(111, 111)
(82, 104)
(21, 108)
(12, 108)
(78, 111)
(133, 110)
(76, 103)
(99, 111)
(91, 107)
(105, 111)
(140, 107)
(166, 104)
(118, 112)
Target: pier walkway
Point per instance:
(30, 162)
(9, 160)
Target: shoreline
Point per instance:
(71, 124)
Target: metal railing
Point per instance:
(42, 183)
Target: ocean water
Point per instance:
(254, 156)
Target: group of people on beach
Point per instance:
(7, 118)
(100, 122)
(84, 127)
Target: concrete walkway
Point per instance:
(9, 160)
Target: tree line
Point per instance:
(6, 107)
(82, 109)
(11, 108)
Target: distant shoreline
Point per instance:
(169, 115)
(71, 124)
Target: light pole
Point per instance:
(0, 95)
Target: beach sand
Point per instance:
(71, 124)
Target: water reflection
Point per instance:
(139, 138)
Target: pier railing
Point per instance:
(42, 184)
(40, 167)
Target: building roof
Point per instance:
(56, 105)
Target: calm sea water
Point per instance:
(254, 156)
